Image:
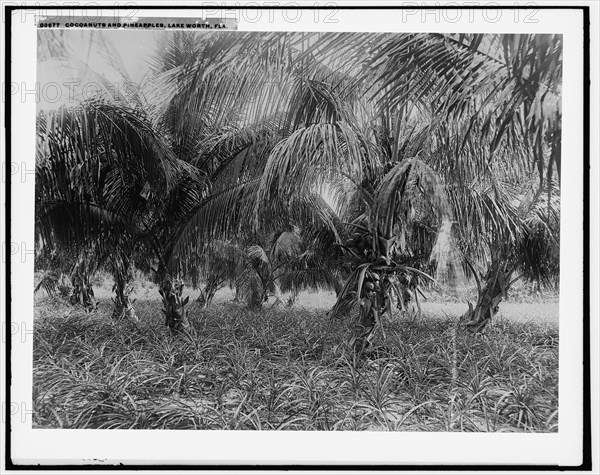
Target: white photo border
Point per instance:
(150, 447)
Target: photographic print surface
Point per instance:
(297, 231)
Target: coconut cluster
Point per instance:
(372, 282)
(364, 245)
(360, 242)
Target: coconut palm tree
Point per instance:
(242, 131)
(101, 169)
(125, 173)
(463, 115)
(447, 121)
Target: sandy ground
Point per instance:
(536, 312)
(539, 312)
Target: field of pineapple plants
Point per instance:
(283, 369)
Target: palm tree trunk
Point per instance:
(495, 286)
(363, 330)
(207, 294)
(120, 297)
(176, 320)
(293, 298)
(83, 293)
(75, 296)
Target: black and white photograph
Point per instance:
(291, 230)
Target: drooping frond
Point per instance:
(95, 132)
(311, 278)
(221, 215)
(286, 245)
(308, 156)
(510, 83)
